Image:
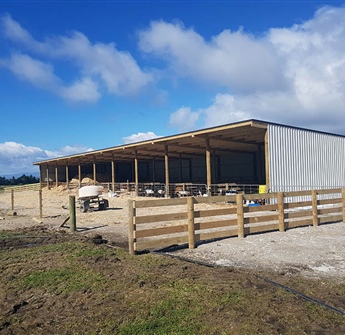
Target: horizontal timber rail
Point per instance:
(158, 223)
(17, 188)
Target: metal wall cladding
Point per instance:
(302, 160)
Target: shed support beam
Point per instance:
(79, 174)
(136, 173)
(208, 166)
(47, 173)
(56, 176)
(166, 158)
(67, 177)
(113, 174)
(94, 171)
(41, 177)
(214, 164)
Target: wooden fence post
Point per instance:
(191, 228)
(40, 203)
(240, 215)
(131, 226)
(12, 200)
(343, 202)
(281, 219)
(314, 208)
(72, 216)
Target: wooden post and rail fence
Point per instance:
(159, 223)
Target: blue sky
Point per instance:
(83, 75)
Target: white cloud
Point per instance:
(18, 158)
(139, 137)
(95, 64)
(83, 90)
(235, 60)
(38, 73)
(294, 75)
(184, 119)
(67, 151)
(13, 30)
(42, 75)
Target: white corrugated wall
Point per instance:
(301, 159)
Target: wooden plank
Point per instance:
(297, 194)
(261, 208)
(216, 234)
(329, 191)
(215, 224)
(261, 228)
(291, 215)
(160, 231)
(160, 243)
(215, 212)
(160, 202)
(330, 210)
(298, 204)
(332, 218)
(299, 223)
(329, 201)
(258, 196)
(264, 218)
(215, 199)
(161, 218)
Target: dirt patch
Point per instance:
(111, 223)
(317, 252)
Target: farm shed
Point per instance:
(240, 155)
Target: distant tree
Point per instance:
(22, 180)
(4, 181)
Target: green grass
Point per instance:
(58, 281)
(169, 316)
(9, 234)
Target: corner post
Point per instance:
(12, 200)
(72, 213)
(314, 208)
(240, 215)
(40, 203)
(131, 226)
(191, 228)
(281, 221)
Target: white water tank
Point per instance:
(91, 191)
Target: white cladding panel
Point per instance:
(301, 159)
